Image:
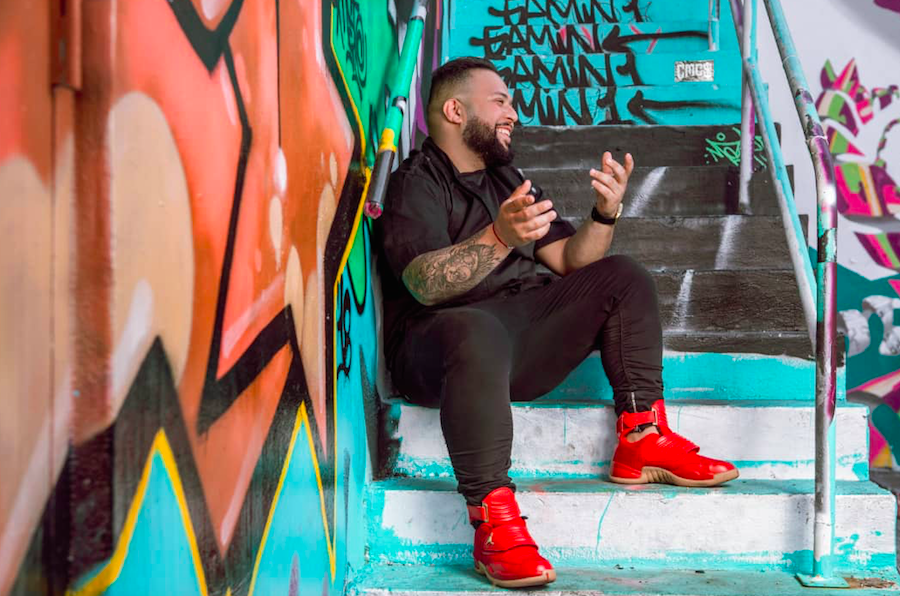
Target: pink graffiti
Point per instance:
(889, 4)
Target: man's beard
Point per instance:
(481, 137)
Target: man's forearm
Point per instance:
(590, 243)
(441, 275)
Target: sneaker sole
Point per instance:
(547, 577)
(652, 475)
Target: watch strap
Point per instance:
(610, 221)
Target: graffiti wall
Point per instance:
(188, 321)
(601, 61)
(854, 78)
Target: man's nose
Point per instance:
(513, 113)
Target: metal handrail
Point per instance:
(387, 147)
(822, 319)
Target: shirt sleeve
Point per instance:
(415, 219)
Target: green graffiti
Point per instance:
(365, 47)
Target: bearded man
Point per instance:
(470, 325)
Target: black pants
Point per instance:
(471, 361)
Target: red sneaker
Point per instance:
(504, 550)
(666, 457)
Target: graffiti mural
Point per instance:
(208, 349)
(860, 124)
(585, 62)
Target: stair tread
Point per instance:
(619, 69)
(592, 486)
(545, 403)
(683, 104)
(578, 146)
(500, 40)
(620, 580)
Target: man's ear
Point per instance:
(454, 111)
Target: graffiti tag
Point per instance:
(722, 149)
(349, 30)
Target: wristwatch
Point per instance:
(610, 221)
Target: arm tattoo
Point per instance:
(439, 275)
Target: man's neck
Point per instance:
(463, 158)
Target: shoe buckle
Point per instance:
(648, 417)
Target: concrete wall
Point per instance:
(188, 342)
(850, 51)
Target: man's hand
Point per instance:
(521, 220)
(610, 183)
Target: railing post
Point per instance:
(823, 575)
(748, 137)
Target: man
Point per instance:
(470, 325)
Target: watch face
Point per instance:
(619, 210)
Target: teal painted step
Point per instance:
(742, 525)
(675, 105)
(614, 580)
(517, 12)
(766, 440)
(620, 70)
(475, 39)
(710, 376)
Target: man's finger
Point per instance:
(537, 234)
(540, 221)
(618, 171)
(606, 180)
(606, 157)
(538, 208)
(629, 163)
(516, 203)
(605, 190)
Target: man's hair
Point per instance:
(446, 79)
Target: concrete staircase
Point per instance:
(739, 375)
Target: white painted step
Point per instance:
(461, 580)
(766, 440)
(745, 524)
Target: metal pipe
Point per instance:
(748, 137)
(803, 271)
(826, 343)
(387, 147)
(713, 28)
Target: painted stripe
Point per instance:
(113, 568)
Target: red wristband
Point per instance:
(499, 239)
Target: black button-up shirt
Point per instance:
(429, 205)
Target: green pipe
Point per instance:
(387, 146)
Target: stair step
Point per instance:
(749, 524)
(692, 301)
(577, 439)
(730, 377)
(660, 190)
(789, 343)
(676, 105)
(620, 70)
(702, 243)
(497, 42)
(615, 579)
(540, 12)
(582, 146)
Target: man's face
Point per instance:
(490, 118)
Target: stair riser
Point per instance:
(660, 191)
(678, 105)
(552, 441)
(620, 70)
(580, 147)
(496, 43)
(692, 301)
(722, 377)
(636, 527)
